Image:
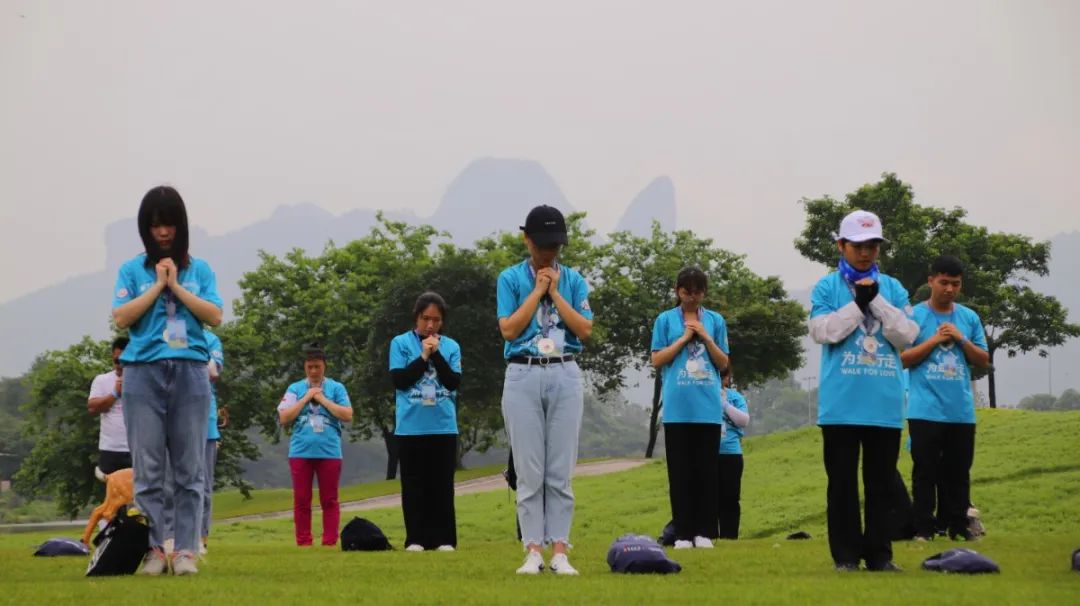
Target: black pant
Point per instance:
(427, 489)
(942, 454)
(112, 460)
(730, 484)
(692, 477)
(880, 446)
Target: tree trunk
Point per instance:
(990, 384)
(391, 453)
(654, 428)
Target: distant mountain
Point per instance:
(493, 195)
(655, 203)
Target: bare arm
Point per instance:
(913, 356)
(513, 325)
(663, 357)
(100, 404)
(202, 309)
(577, 323)
(340, 412)
(129, 313)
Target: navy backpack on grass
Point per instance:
(964, 561)
(635, 554)
(363, 535)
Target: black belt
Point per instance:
(541, 361)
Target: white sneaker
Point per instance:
(414, 547)
(534, 563)
(681, 544)
(560, 564)
(445, 548)
(183, 563)
(702, 543)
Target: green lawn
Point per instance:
(1027, 483)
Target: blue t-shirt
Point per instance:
(218, 356)
(731, 443)
(439, 414)
(307, 442)
(691, 393)
(857, 388)
(941, 383)
(148, 334)
(515, 284)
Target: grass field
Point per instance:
(1026, 482)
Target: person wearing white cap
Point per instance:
(863, 320)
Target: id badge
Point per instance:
(558, 335)
(317, 423)
(176, 333)
(427, 394)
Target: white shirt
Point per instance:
(113, 433)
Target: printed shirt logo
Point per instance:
(585, 305)
(867, 222)
(120, 294)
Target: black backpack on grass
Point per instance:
(120, 548)
(363, 535)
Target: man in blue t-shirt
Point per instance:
(544, 317)
(862, 320)
(941, 406)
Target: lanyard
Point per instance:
(545, 304)
(170, 305)
(694, 349)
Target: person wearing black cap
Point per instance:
(544, 316)
(315, 409)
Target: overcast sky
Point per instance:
(747, 106)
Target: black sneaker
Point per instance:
(848, 567)
(889, 566)
(963, 535)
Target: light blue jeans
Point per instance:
(542, 407)
(166, 407)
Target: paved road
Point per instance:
(485, 484)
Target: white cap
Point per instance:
(860, 226)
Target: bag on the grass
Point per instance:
(965, 561)
(62, 547)
(1076, 560)
(635, 553)
(363, 535)
(121, 546)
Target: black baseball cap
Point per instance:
(545, 226)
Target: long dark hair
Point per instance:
(163, 205)
(692, 279)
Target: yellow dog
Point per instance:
(119, 491)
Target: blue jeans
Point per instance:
(210, 461)
(166, 408)
(542, 407)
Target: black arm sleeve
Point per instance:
(405, 378)
(450, 379)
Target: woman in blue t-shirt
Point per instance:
(730, 465)
(315, 409)
(426, 369)
(689, 349)
(164, 297)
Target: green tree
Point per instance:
(779, 405)
(65, 435)
(1039, 401)
(1017, 318)
(634, 280)
(1069, 400)
(15, 445)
